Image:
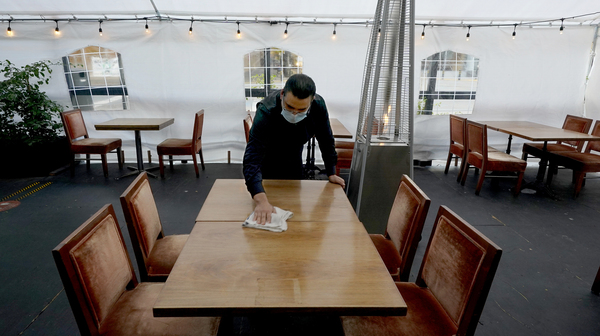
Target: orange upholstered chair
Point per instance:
(572, 123)
(81, 143)
(580, 163)
(398, 246)
(345, 149)
(481, 157)
(458, 133)
(596, 284)
(247, 126)
(191, 146)
(155, 253)
(103, 290)
(451, 288)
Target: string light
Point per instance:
(147, 29)
(56, 30)
(514, 34)
(562, 26)
(423, 33)
(285, 34)
(468, 33)
(9, 31)
(100, 29)
(379, 32)
(191, 24)
(239, 33)
(334, 32)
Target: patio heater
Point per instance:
(382, 152)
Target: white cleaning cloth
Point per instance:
(278, 221)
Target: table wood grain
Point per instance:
(338, 129)
(537, 132)
(135, 124)
(312, 268)
(309, 200)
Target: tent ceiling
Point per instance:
(438, 10)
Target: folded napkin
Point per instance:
(278, 221)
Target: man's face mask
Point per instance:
(292, 117)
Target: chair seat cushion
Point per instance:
(132, 315)
(586, 162)
(95, 145)
(164, 255)
(498, 161)
(388, 252)
(537, 149)
(175, 147)
(344, 144)
(457, 149)
(425, 317)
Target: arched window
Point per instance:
(95, 79)
(266, 70)
(448, 83)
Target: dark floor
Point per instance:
(542, 287)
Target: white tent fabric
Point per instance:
(540, 76)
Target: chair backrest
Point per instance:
(477, 138)
(74, 124)
(594, 145)
(95, 269)
(247, 126)
(406, 221)
(376, 128)
(458, 268)
(143, 222)
(458, 126)
(577, 124)
(197, 136)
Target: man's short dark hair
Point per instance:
(301, 86)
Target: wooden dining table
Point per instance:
(537, 132)
(317, 267)
(137, 125)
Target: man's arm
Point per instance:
(253, 157)
(326, 141)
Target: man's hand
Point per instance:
(337, 180)
(263, 210)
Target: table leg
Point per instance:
(509, 143)
(140, 159)
(538, 185)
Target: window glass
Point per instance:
(95, 79)
(448, 83)
(266, 70)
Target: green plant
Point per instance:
(27, 115)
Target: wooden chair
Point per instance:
(345, 149)
(580, 163)
(398, 246)
(75, 129)
(247, 126)
(596, 284)
(479, 155)
(191, 146)
(103, 290)
(458, 133)
(572, 123)
(155, 253)
(451, 288)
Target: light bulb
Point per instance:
(285, 33)
(239, 33)
(190, 31)
(9, 31)
(423, 33)
(469, 33)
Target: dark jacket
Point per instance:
(274, 150)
